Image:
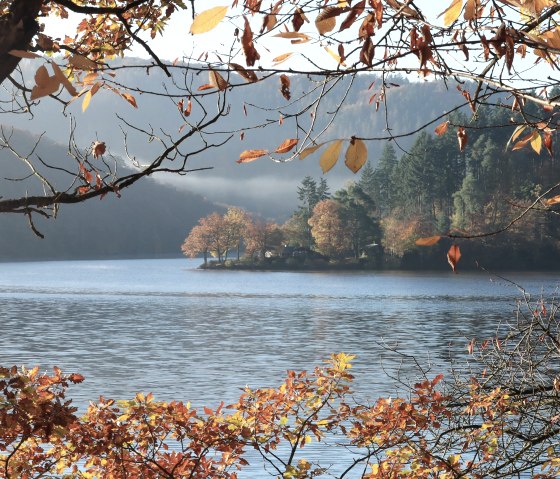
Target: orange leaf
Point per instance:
(251, 155)
(428, 241)
(281, 58)
(130, 99)
(441, 128)
(309, 150)
(287, 145)
(552, 201)
(462, 138)
(453, 257)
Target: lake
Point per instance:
(182, 333)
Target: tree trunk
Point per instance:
(17, 29)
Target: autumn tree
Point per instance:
(211, 235)
(262, 236)
(328, 229)
(236, 222)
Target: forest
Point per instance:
(432, 188)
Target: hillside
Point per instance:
(149, 220)
(263, 186)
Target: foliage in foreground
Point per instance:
(498, 419)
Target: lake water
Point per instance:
(182, 333)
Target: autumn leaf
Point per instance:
(251, 54)
(98, 149)
(536, 143)
(441, 128)
(217, 80)
(330, 156)
(208, 19)
(281, 58)
(462, 138)
(63, 79)
(130, 99)
(356, 155)
(548, 141)
(516, 134)
(82, 63)
(471, 10)
(452, 12)
(251, 155)
(248, 75)
(287, 145)
(309, 150)
(285, 86)
(23, 54)
(453, 257)
(296, 37)
(428, 241)
(523, 142)
(552, 201)
(326, 21)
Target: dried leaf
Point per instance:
(217, 80)
(281, 58)
(130, 99)
(428, 241)
(453, 257)
(287, 145)
(63, 79)
(452, 12)
(330, 155)
(250, 76)
(523, 142)
(49, 87)
(251, 54)
(42, 76)
(82, 63)
(441, 128)
(23, 54)
(336, 57)
(367, 52)
(516, 134)
(462, 138)
(354, 13)
(309, 150)
(208, 19)
(552, 201)
(251, 155)
(548, 141)
(326, 21)
(471, 10)
(285, 86)
(300, 37)
(356, 155)
(98, 149)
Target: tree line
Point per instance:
(433, 188)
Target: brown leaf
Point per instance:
(428, 241)
(354, 13)
(82, 63)
(523, 142)
(251, 155)
(98, 149)
(547, 140)
(441, 128)
(287, 145)
(285, 86)
(367, 52)
(330, 156)
(326, 21)
(356, 155)
(130, 99)
(49, 87)
(217, 80)
(249, 75)
(471, 10)
(295, 36)
(42, 76)
(251, 54)
(462, 138)
(453, 257)
(63, 79)
(298, 19)
(23, 54)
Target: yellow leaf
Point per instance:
(309, 150)
(302, 37)
(429, 241)
(536, 142)
(335, 56)
(86, 100)
(330, 155)
(356, 155)
(208, 19)
(452, 12)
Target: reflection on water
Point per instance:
(164, 326)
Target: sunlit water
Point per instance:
(200, 336)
